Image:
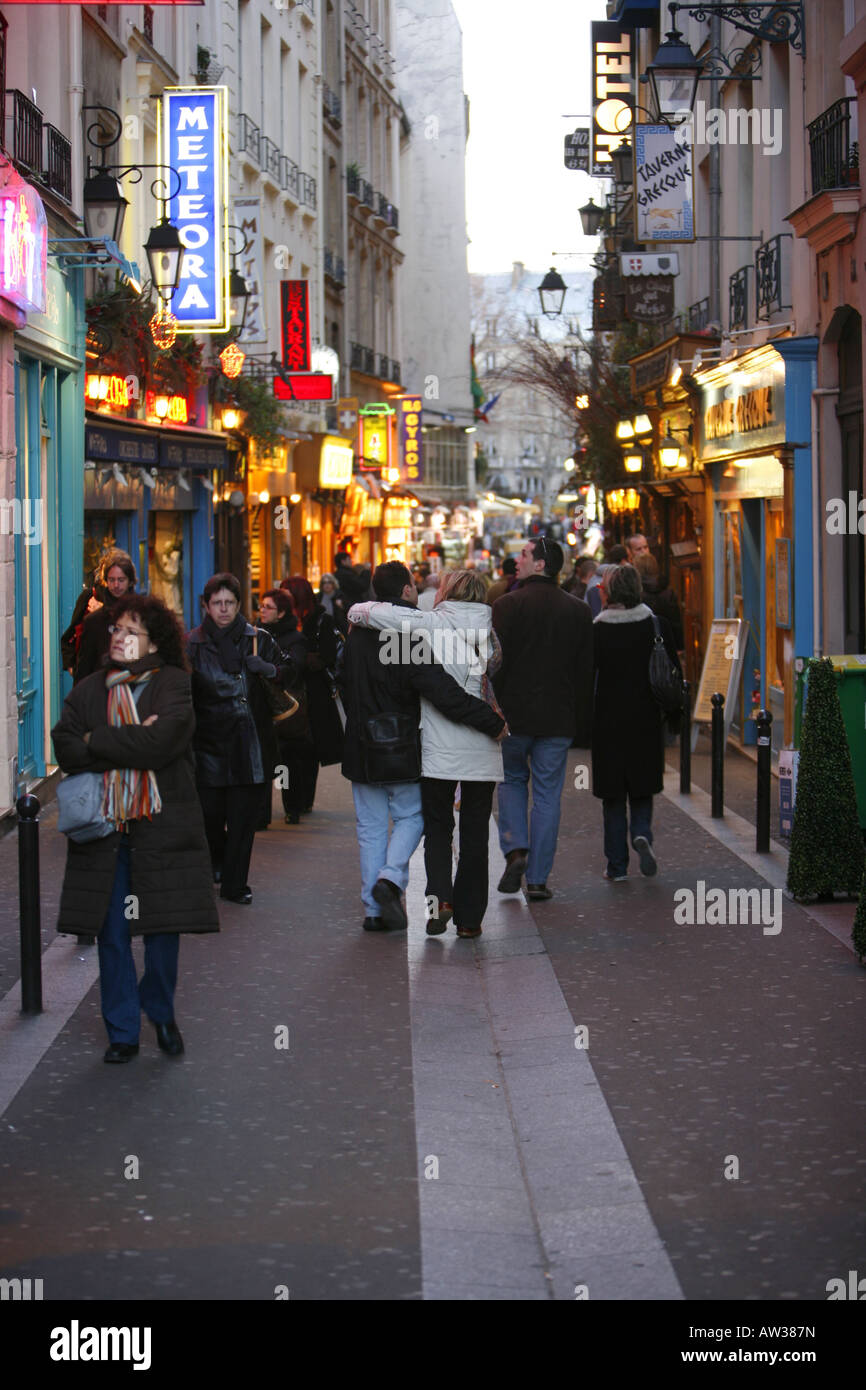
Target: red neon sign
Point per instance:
(23, 244)
(295, 304)
(304, 386)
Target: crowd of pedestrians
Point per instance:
(433, 704)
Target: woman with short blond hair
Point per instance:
(461, 639)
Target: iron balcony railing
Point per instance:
(363, 359)
(395, 371)
(308, 190)
(290, 177)
(387, 212)
(384, 366)
(271, 158)
(26, 132)
(738, 298)
(698, 315)
(365, 193)
(334, 267)
(329, 262)
(58, 172)
(353, 182)
(332, 105)
(834, 159)
(768, 277)
(250, 138)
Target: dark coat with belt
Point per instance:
(544, 684)
(627, 732)
(170, 863)
(372, 687)
(234, 740)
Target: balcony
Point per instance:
(363, 359)
(290, 177)
(353, 182)
(384, 366)
(387, 213)
(365, 194)
(698, 315)
(26, 147)
(58, 172)
(835, 161)
(738, 298)
(395, 372)
(308, 190)
(332, 105)
(271, 159)
(249, 138)
(335, 270)
(768, 278)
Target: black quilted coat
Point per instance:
(234, 740)
(171, 868)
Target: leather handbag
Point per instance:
(79, 801)
(392, 751)
(281, 704)
(665, 680)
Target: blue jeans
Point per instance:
(122, 998)
(385, 855)
(547, 760)
(616, 829)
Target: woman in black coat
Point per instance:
(133, 721)
(323, 647)
(234, 744)
(628, 726)
(117, 579)
(296, 752)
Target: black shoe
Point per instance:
(390, 899)
(373, 924)
(648, 865)
(121, 1052)
(467, 933)
(168, 1038)
(538, 892)
(244, 898)
(515, 867)
(292, 818)
(439, 924)
(86, 940)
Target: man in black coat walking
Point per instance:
(383, 746)
(544, 686)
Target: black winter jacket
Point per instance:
(372, 687)
(544, 684)
(628, 756)
(234, 740)
(171, 867)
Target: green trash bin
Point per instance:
(851, 680)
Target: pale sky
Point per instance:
(525, 67)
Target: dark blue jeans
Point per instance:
(122, 997)
(616, 829)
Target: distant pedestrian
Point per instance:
(545, 689)
(383, 751)
(636, 545)
(91, 598)
(461, 637)
(506, 583)
(133, 722)
(333, 602)
(235, 748)
(296, 751)
(324, 641)
(117, 579)
(627, 731)
(660, 598)
(584, 568)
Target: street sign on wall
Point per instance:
(612, 91)
(194, 142)
(577, 150)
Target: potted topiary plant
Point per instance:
(826, 854)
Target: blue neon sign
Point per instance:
(194, 143)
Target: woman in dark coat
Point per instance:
(234, 744)
(628, 727)
(150, 877)
(296, 751)
(662, 601)
(323, 646)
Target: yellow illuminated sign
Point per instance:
(335, 463)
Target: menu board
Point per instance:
(723, 666)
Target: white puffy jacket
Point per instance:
(460, 638)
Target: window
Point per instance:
(490, 362)
(445, 457)
(491, 328)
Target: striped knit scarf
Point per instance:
(130, 792)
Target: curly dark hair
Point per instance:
(161, 625)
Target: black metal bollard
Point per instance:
(765, 744)
(686, 742)
(28, 809)
(717, 756)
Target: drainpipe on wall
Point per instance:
(715, 190)
(818, 521)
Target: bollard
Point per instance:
(717, 756)
(28, 809)
(686, 742)
(762, 835)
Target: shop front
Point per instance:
(754, 413)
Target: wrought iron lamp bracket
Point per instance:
(777, 21)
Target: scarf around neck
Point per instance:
(227, 642)
(129, 793)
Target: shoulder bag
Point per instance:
(79, 801)
(665, 680)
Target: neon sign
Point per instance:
(23, 244)
(194, 142)
(107, 390)
(162, 407)
(295, 305)
(409, 424)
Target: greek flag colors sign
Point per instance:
(194, 141)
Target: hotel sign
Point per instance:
(194, 142)
(612, 92)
